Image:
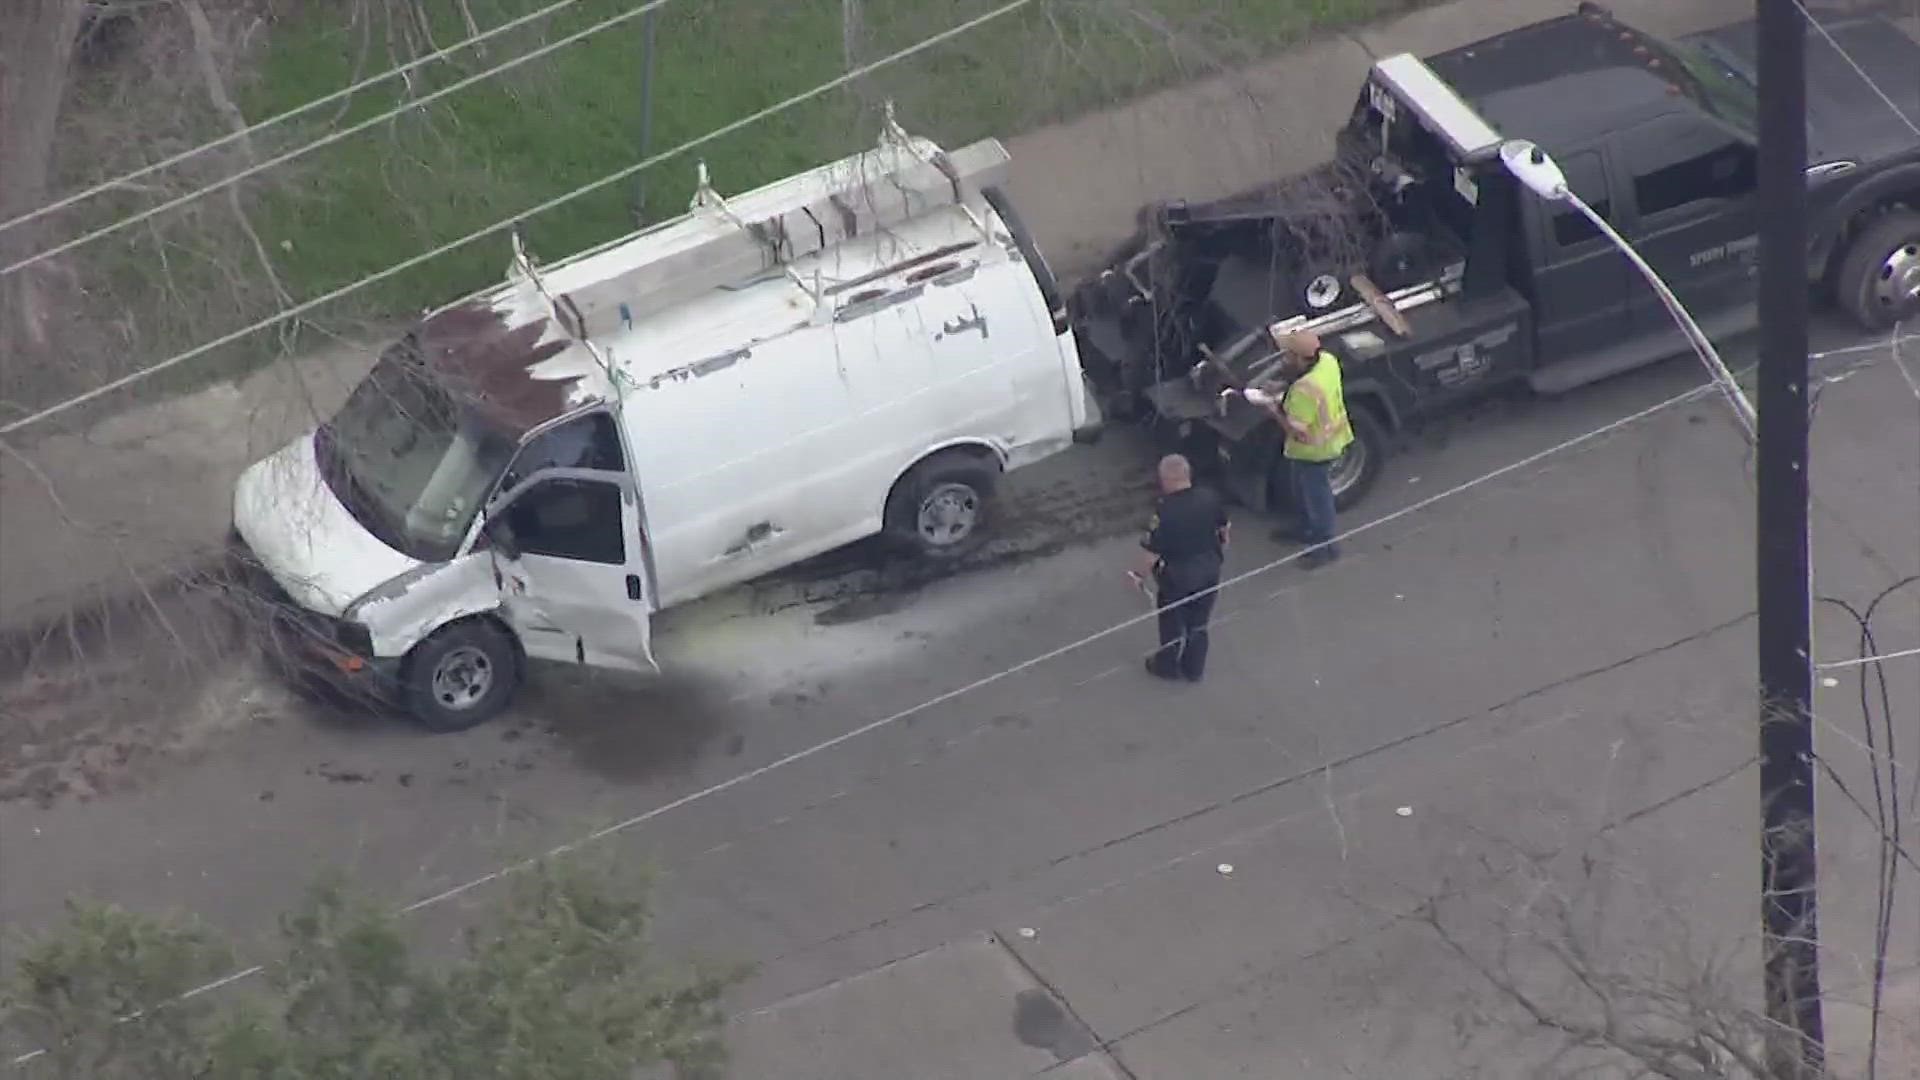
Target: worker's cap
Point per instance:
(1298, 342)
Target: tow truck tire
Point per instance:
(1879, 279)
(1371, 445)
(1367, 454)
(462, 676)
(939, 509)
(1401, 259)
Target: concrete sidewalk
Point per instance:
(133, 499)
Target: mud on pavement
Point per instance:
(119, 690)
(91, 702)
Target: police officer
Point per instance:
(1185, 547)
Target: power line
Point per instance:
(1886, 813)
(1858, 661)
(330, 138)
(594, 185)
(1857, 69)
(254, 129)
(1866, 346)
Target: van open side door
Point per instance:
(569, 560)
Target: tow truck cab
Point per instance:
(1439, 280)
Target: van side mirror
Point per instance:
(500, 535)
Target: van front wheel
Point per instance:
(461, 677)
(939, 509)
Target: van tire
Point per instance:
(462, 676)
(1866, 286)
(949, 493)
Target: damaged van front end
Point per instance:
(359, 541)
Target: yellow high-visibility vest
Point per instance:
(1315, 402)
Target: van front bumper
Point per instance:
(302, 646)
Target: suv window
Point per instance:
(589, 442)
(568, 518)
(1588, 178)
(1680, 160)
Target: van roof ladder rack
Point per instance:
(723, 241)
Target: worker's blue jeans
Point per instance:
(1313, 500)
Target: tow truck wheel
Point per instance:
(461, 677)
(1879, 281)
(1353, 474)
(1357, 470)
(1401, 259)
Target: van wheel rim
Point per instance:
(949, 514)
(462, 678)
(1348, 468)
(1898, 286)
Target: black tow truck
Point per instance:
(1439, 280)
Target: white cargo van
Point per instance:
(859, 349)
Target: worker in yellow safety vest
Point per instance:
(1314, 416)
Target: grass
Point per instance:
(490, 151)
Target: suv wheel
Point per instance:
(1879, 281)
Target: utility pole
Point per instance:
(1788, 869)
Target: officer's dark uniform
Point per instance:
(1187, 533)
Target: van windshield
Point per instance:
(410, 463)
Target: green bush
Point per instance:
(558, 982)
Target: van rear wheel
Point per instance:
(461, 677)
(939, 509)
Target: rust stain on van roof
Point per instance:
(483, 362)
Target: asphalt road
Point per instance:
(850, 765)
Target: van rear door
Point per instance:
(571, 568)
